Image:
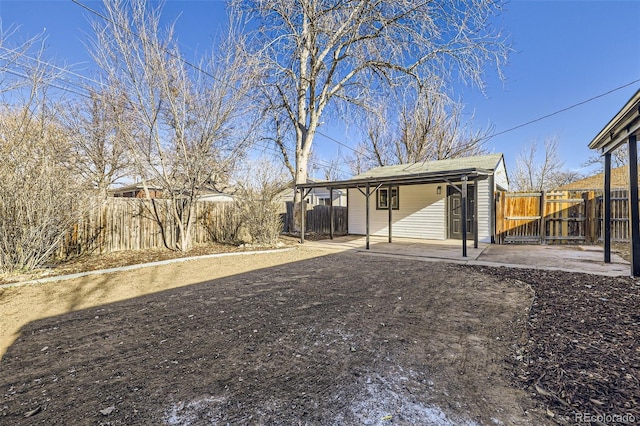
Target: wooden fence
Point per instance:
(117, 224)
(559, 217)
(318, 219)
(619, 215)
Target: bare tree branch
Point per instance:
(419, 124)
(314, 55)
(535, 173)
(192, 125)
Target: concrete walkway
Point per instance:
(569, 258)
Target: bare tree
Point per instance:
(361, 160)
(315, 55)
(547, 173)
(11, 52)
(97, 132)
(39, 197)
(619, 158)
(334, 169)
(257, 200)
(429, 126)
(191, 127)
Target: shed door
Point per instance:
(454, 202)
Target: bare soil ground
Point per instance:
(310, 337)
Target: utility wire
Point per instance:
(26, 77)
(50, 65)
(561, 110)
(330, 138)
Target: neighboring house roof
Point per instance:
(206, 194)
(136, 190)
(213, 195)
(135, 187)
(619, 179)
(485, 162)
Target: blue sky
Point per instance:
(565, 52)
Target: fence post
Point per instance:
(589, 213)
(543, 213)
(499, 217)
(331, 213)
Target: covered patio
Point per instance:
(622, 129)
(457, 179)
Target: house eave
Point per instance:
(408, 179)
(624, 124)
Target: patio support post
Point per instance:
(464, 216)
(542, 223)
(367, 213)
(607, 208)
(634, 215)
(390, 208)
(475, 216)
(492, 208)
(302, 215)
(331, 215)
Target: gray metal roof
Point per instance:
(473, 168)
(485, 162)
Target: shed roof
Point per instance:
(477, 167)
(485, 162)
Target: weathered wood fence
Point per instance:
(117, 224)
(318, 219)
(559, 217)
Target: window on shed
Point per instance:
(383, 198)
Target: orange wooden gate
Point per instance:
(556, 217)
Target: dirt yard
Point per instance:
(312, 337)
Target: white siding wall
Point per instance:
(422, 213)
(500, 177)
(485, 207)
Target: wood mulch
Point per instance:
(582, 361)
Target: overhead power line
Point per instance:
(561, 110)
(328, 137)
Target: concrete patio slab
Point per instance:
(450, 250)
(570, 258)
(573, 258)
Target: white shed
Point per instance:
(424, 200)
(431, 210)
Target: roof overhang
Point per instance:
(625, 123)
(448, 176)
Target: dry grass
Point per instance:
(91, 262)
